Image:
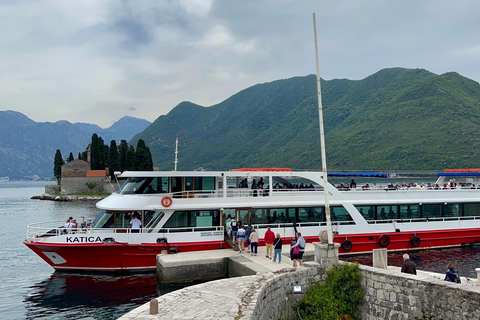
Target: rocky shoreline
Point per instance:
(52, 197)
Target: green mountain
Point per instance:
(395, 119)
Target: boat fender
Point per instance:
(167, 201)
(108, 240)
(384, 240)
(347, 245)
(162, 240)
(415, 241)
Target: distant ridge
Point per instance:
(27, 148)
(395, 119)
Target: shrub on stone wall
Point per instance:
(341, 294)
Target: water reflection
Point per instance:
(84, 296)
(465, 260)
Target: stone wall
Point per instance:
(77, 185)
(275, 299)
(394, 295)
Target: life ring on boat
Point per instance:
(415, 241)
(384, 240)
(167, 201)
(347, 245)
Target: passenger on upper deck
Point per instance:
(244, 183)
(254, 188)
(353, 184)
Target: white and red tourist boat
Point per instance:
(186, 211)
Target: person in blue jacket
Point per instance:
(452, 275)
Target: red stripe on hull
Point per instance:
(112, 257)
(402, 241)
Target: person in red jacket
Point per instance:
(269, 239)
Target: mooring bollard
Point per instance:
(153, 306)
(478, 276)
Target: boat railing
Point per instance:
(424, 219)
(245, 193)
(40, 230)
(193, 229)
(45, 229)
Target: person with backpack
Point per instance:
(452, 275)
(234, 226)
(301, 248)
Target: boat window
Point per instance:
(452, 210)
(284, 215)
(151, 218)
(259, 216)
(471, 209)
(183, 219)
(135, 185)
(409, 211)
(310, 215)
(123, 219)
(387, 212)
(431, 210)
(157, 185)
(208, 183)
(105, 221)
(339, 214)
(368, 212)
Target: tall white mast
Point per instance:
(176, 153)
(322, 140)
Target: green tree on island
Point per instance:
(57, 166)
(97, 161)
(114, 163)
(122, 154)
(130, 159)
(143, 158)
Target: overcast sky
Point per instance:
(97, 61)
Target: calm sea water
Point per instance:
(30, 289)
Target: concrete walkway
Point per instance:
(219, 299)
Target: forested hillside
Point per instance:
(399, 119)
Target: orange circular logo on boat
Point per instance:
(167, 201)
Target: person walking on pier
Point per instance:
(253, 238)
(408, 266)
(452, 275)
(248, 231)
(301, 243)
(234, 225)
(269, 238)
(241, 238)
(278, 249)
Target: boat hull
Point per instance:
(121, 257)
(111, 257)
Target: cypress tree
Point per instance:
(114, 163)
(122, 153)
(57, 166)
(96, 153)
(79, 156)
(130, 159)
(70, 157)
(142, 157)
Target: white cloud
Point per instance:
(84, 58)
